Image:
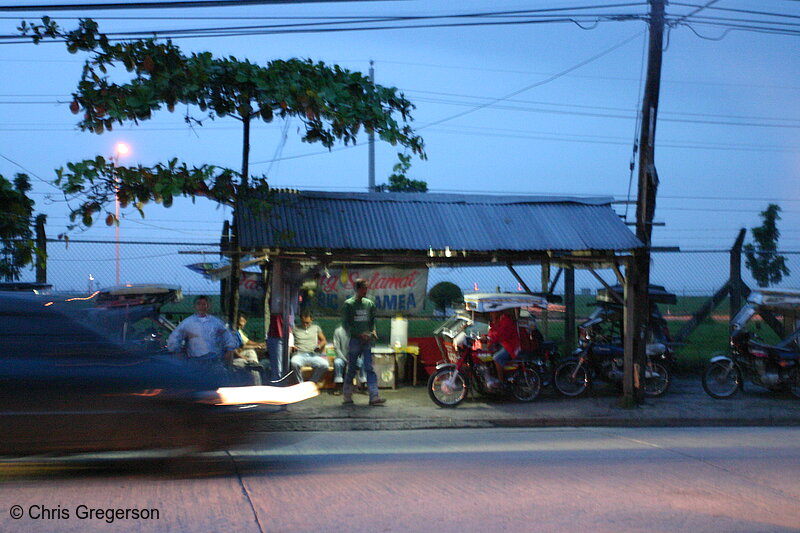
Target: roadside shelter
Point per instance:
(297, 230)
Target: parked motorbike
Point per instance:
(468, 364)
(600, 351)
(775, 367)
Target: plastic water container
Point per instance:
(398, 337)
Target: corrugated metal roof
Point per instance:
(419, 221)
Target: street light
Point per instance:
(120, 149)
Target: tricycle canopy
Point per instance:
(655, 293)
(778, 300)
(781, 301)
(138, 294)
(488, 302)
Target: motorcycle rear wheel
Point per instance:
(526, 384)
(568, 385)
(658, 383)
(443, 391)
(720, 380)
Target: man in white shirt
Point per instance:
(309, 349)
(204, 337)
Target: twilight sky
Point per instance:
(727, 144)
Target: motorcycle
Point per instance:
(468, 364)
(600, 351)
(774, 367)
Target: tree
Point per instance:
(763, 260)
(16, 219)
(399, 182)
(332, 103)
(444, 294)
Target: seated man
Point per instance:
(308, 349)
(246, 356)
(503, 332)
(341, 341)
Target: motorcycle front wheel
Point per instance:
(570, 379)
(721, 379)
(656, 380)
(447, 387)
(525, 384)
(794, 382)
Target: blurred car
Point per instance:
(67, 384)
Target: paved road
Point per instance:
(499, 479)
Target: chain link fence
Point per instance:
(80, 267)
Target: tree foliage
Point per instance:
(333, 104)
(762, 259)
(399, 182)
(444, 294)
(16, 220)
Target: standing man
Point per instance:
(358, 320)
(309, 349)
(208, 343)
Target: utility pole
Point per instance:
(371, 182)
(636, 325)
(41, 249)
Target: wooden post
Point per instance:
(266, 280)
(41, 249)
(736, 274)
(569, 312)
(628, 392)
(224, 283)
(545, 326)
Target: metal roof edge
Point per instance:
(443, 198)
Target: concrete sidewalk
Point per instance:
(685, 404)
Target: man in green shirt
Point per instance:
(358, 320)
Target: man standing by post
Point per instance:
(358, 320)
(208, 341)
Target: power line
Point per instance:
(735, 10)
(617, 141)
(106, 6)
(597, 115)
(536, 84)
(583, 106)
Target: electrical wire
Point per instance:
(106, 6)
(534, 85)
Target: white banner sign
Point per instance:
(394, 290)
(250, 285)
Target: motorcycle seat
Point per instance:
(526, 356)
(655, 349)
(775, 351)
(783, 353)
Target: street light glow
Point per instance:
(122, 149)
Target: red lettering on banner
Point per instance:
(379, 282)
(328, 285)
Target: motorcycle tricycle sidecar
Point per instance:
(467, 363)
(775, 366)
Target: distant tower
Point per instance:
(91, 283)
